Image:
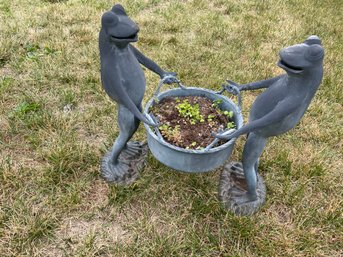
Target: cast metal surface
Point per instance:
(123, 80)
(189, 160)
(279, 108)
(232, 183)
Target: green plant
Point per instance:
(230, 125)
(190, 111)
(229, 114)
(210, 117)
(217, 103)
(171, 133)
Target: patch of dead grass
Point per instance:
(74, 233)
(164, 213)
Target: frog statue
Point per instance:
(275, 111)
(123, 80)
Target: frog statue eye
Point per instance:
(109, 19)
(312, 40)
(118, 9)
(314, 53)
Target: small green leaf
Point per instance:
(230, 125)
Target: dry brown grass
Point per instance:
(56, 122)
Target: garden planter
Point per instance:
(190, 160)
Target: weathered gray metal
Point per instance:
(231, 177)
(189, 160)
(123, 80)
(279, 108)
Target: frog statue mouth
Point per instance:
(130, 38)
(289, 68)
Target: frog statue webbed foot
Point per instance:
(126, 169)
(233, 191)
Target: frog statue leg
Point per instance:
(241, 188)
(124, 161)
(253, 149)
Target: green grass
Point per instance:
(56, 122)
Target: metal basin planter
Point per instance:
(189, 160)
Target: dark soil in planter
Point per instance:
(188, 122)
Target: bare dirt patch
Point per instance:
(77, 230)
(75, 233)
(97, 195)
(5, 71)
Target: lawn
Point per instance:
(56, 122)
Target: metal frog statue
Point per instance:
(123, 80)
(277, 110)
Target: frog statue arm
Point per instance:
(280, 112)
(150, 64)
(256, 84)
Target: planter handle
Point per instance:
(233, 89)
(175, 80)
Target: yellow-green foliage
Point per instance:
(190, 111)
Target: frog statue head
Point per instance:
(300, 58)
